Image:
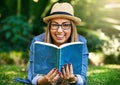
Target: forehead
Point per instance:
(60, 20)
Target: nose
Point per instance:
(60, 29)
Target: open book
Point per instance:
(47, 56)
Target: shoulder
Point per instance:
(82, 38)
(40, 37)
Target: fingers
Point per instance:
(51, 72)
(71, 69)
(67, 72)
(53, 75)
(63, 72)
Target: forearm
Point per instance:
(43, 81)
(40, 80)
(80, 80)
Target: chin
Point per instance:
(60, 42)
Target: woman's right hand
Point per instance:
(50, 78)
(53, 76)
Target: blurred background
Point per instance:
(21, 20)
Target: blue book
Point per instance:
(47, 56)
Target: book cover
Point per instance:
(47, 56)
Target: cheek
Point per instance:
(68, 34)
(52, 33)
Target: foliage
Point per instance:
(94, 42)
(100, 21)
(112, 48)
(14, 57)
(15, 32)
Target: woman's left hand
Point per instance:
(67, 73)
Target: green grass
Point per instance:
(9, 72)
(97, 75)
(104, 75)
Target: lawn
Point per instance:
(103, 75)
(97, 75)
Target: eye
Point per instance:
(54, 25)
(66, 25)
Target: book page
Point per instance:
(71, 43)
(63, 45)
(48, 44)
(44, 58)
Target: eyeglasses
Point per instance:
(64, 26)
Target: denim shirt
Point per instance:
(81, 78)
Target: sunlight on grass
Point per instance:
(10, 73)
(103, 75)
(113, 66)
(96, 71)
(117, 27)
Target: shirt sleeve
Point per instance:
(33, 78)
(30, 68)
(82, 77)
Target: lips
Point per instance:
(60, 37)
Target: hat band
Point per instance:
(54, 13)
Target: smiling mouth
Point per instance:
(60, 37)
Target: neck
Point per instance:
(58, 44)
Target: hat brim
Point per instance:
(76, 20)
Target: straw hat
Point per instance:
(62, 10)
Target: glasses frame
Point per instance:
(58, 25)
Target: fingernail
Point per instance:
(66, 64)
(59, 73)
(55, 69)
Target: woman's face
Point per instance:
(60, 30)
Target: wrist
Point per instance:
(43, 81)
(73, 80)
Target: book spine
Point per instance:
(59, 60)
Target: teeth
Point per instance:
(60, 35)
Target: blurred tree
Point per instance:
(100, 21)
(65, 1)
(36, 10)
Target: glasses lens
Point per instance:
(66, 26)
(54, 26)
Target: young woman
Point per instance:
(61, 28)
